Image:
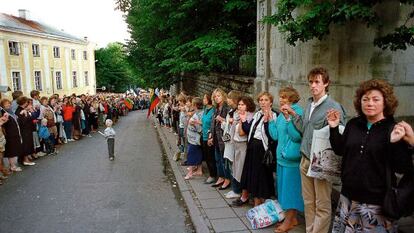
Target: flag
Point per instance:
(153, 102)
(128, 103)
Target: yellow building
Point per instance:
(35, 56)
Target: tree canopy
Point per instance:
(303, 20)
(113, 70)
(173, 37)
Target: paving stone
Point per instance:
(208, 195)
(213, 203)
(241, 211)
(220, 213)
(228, 224)
(198, 186)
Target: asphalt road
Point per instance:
(81, 191)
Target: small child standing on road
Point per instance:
(45, 135)
(109, 134)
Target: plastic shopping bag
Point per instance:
(265, 214)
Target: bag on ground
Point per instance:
(265, 214)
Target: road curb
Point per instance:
(199, 219)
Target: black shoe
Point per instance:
(217, 185)
(223, 188)
(239, 202)
(184, 163)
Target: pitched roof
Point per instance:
(17, 24)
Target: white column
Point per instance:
(80, 74)
(27, 68)
(68, 69)
(3, 69)
(48, 79)
(91, 73)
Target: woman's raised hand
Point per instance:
(333, 116)
(397, 133)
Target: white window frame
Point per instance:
(74, 79)
(58, 79)
(36, 50)
(38, 80)
(17, 86)
(14, 48)
(86, 74)
(56, 52)
(73, 54)
(85, 55)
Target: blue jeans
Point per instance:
(67, 125)
(181, 140)
(235, 186)
(222, 169)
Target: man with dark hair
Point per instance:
(316, 192)
(35, 96)
(15, 95)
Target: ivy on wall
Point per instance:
(303, 20)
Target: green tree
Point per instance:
(171, 37)
(303, 20)
(113, 69)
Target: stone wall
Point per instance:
(348, 53)
(199, 85)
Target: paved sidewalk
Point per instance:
(209, 210)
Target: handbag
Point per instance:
(226, 137)
(399, 198)
(269, 159)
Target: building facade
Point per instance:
(35, 56)
(347, 52)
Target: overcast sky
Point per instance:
(95, 19)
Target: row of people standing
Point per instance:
(235, 138)
(33, 127)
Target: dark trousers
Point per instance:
(87, 129)
(49, 144)
(67, 125)
(111, 147)
(208, 156)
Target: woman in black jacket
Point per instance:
(25, 121)
(367, 148)
(13, 136)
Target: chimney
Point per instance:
(25, 14)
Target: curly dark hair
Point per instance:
(249, 102)
(390, 100)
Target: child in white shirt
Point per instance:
(109, 134)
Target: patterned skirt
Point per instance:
(353, 216)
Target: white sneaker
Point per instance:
(71, 140)
(41, 154)
(89, 136)
(29, 163)
(231, 195)
(16, 169)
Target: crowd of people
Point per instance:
(233, 138)
(35, 126)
